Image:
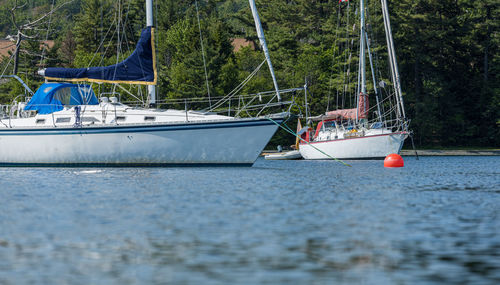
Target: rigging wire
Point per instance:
(353, 97)
(374, 60)
(347, 60)
(157, 40)
(203, 54)
(118, 40)
(124, 28)
(377, 68)
(99, 48)
(238, 88)
(46, 35)
(7, 65)
(334, 60)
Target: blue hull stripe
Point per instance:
(135, 129)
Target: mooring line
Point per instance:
(287, 129)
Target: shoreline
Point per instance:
(433, 152)
(451, 152)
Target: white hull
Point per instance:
(367, 147)
(238, 141)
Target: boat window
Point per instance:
(73, 95)
(63, 95)
(63, 120)
(120, 118)
(40, 121)
(149, 118)
(89, 120)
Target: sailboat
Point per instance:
(353, 133)
(65, 124)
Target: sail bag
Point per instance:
(138, 68)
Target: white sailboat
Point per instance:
(353, 133)
(64, 124)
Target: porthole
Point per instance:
(63, 120)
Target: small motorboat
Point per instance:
(287, 155)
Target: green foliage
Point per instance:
(180, 58)
(447, 61)
(10, 89)
(91, 24)
(448, 54)
(107, 27)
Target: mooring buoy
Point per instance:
(394, 160)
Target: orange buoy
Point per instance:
(394, 160)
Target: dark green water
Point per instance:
(437, 220)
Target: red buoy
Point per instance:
(394, 160)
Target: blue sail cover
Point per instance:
(51, 97)
(138, 68)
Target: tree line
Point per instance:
(448, 53)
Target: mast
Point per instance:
(392, 60)
(362, 53)
(149, 23)
(375, 89)
(263, 44)
(307, 105)
(362, 65)
(203, 55)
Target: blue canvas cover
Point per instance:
(138, 68)
(51, 97)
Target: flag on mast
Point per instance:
(297, 140)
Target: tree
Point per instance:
(448, 52)
(28, 30)
(180, 59)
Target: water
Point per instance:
(437, 220)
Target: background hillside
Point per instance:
(448, 52)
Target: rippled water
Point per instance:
(437, 220)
